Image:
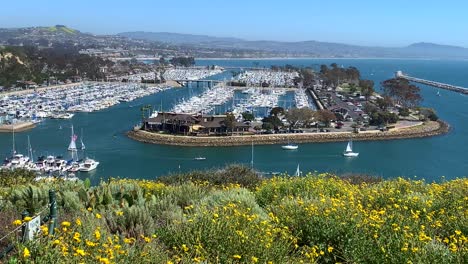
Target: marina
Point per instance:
(120, 156)
(61, 103)
(267, 77)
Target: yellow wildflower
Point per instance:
(66, 224)
(254, 259)
(237, 257)
(78, 222)
(76, 237)
(330, 249)
(26, 253)
(97, 234)
(27, 219)
(17, 222)
(185, 248)
(119, 213)
(44, 229)
(98, 216)
(90, 243)
(80, 252)
(104, 260)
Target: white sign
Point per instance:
(33, 227)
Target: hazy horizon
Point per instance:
(365, 23)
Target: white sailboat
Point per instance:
(298, 171)
(438, 93)
(349, 150)
(290, 146)
(81, 141)
(72, 145)
(252, 159)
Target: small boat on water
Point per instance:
(72, 146)
(438, 93)
(290, 146)
(89, 165)
(199, 158)
(298, 171)
(349, 150)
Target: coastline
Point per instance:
(428, 129)
(20, 127)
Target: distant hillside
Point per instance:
(209, 46)
(175, 38)
(305, 48)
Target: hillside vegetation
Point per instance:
(234, 216)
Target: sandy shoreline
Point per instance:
(427, 129)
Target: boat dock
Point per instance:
(454, 88)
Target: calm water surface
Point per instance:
(428, 158)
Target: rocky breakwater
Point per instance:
(427, 129)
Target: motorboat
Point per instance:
(349, 150)
(89, 165)
(290, 146)
(199, 158)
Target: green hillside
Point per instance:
(235, 216)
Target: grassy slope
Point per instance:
(234, 216)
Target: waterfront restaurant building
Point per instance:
(193, 124)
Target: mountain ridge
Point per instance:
(309, 48)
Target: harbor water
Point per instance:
(433, 159)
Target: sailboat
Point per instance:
(81, 141)
(72, 146)
(252, 159)
(298, 171)
(349, 150)
(290, 146)
(438, 93)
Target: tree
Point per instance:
(384, 103)
(274, 121)
(383, 118)
(428, 113)
(370, 108)
(248, 116)
(404, 112)
(267, 126)
(275, 111)
(325, 116)
(183, 61)
(352, 88)
(367, 88)
(404, 93)
(307, 76)
(299, 116)
(230, 121)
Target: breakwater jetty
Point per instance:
(454, 88)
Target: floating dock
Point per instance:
(454, 88)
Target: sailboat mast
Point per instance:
(252, 160)
(14, 151)
(30, 153)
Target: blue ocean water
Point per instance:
(428, 158)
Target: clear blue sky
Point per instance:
(362, 22)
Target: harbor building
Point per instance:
(194, 124)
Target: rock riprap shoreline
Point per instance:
(426, 129)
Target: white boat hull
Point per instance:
(289, 147)
(351, 154)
